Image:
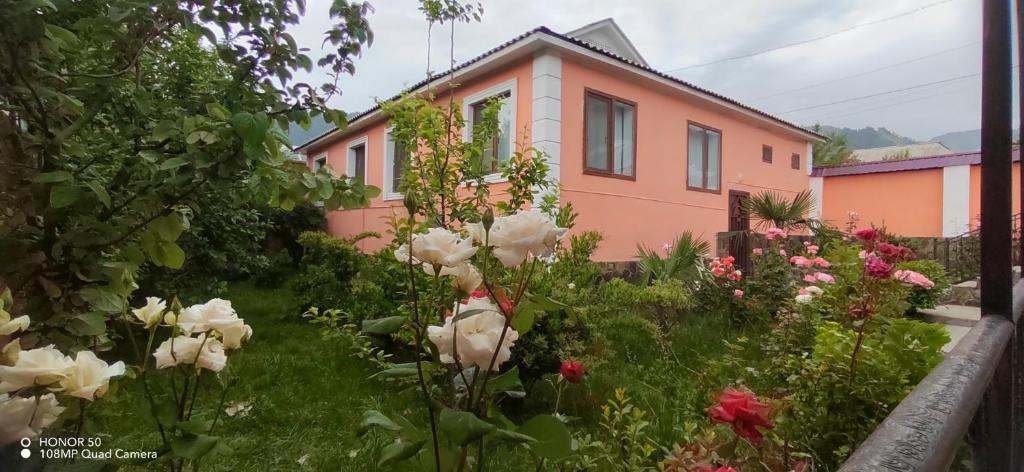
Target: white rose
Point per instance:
(26, 417)
(804, 299)
(520, 235)
(152, 312)
(438, 247)
(198, 318)
(35, 368)
(814, 290)
(10, 351)
(232, 331)
(475, 338)
(90, 376)
(185, 350)
(467, 278)
(11, 326)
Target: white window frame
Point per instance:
(509, 86)
(316, 159)
(350, 159)
(389, 159)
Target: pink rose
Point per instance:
(820, 262)
(823, 277)
(737, 293)
(810, 278)
(913, 278)
(758, 251)
(812, 249)
(718, 271)
(782, 252)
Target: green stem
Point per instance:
(418, 339)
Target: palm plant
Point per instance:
(683, 261)
(772, 209)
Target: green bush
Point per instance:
(328, 268)
(277, 268)
(380, 287)
(664, 302)
(921, 298)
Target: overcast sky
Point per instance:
(938, 41)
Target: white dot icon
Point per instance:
(25, 453)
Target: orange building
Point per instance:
(641, 155)
(935, 196)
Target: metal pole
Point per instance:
(992, 430)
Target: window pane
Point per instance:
(714, 160)
(398, 161)
(478, 117)
(623, 158)
(359, 158)
(695, 157)
(504, 129)
(794, 161)
(597, 111)
(320, 163)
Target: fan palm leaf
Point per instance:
(772, 209)
(683, 262)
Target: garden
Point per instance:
(169, 296)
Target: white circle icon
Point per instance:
(26, 442)
(25, 453)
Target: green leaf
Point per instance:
(512, 436)
(375, 419)
(217, 110)
(173, 163)
(466, 314)
(150, 156)
(399, 370)
(101, 193)
(507, 383)
(553, 440)
(463, 427)
(526, 315)
(60, 34)
(88, 324)
(52, 177)
(64, 195)
(399, 450)
(193, 446)
(168, 227)
(103, 298)
(196, 426)
(386, 325)
(172, 255)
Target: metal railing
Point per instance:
(977, 392)
(961, 255)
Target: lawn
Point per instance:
(308, 393)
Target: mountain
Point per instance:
(964, 141)
(868, 137)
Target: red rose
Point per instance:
(875, 267)
(572, 371)
(743, 412)
(894, 253)
(869, 234)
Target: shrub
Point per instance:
(380, 287)
(328, 267)
(921, 298)
(277, 268)
(682, 261)
(664, 302)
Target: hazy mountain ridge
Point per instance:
(868, 137)
(964, 141)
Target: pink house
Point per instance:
(641, 155)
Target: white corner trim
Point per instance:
(388, 157)
(817, 188)
(350, 162)
(546, 106)
(810, 158)
(956, 201)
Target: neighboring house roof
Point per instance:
(541, 37)
(916, 163)
(900, 152)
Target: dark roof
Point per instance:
(586, 45)
(915, 163)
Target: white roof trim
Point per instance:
(539, 40)
(613, 27)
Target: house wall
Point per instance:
(347, 223)
(908, 203)
(975, 208)
(656, 207)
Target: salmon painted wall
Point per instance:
(908, 203)
(976, 192)
(346, 223)
(656, 207)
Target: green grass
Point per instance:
(308, 393)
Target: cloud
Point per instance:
(674, 34)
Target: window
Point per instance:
(320, 162)
(610, 132)
(500, 146)
(766, 153)
(794, 161)
(356, 165)
(704, 158)
(396, 158)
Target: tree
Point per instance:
(117, 117)
(772, 209)
(832, 151)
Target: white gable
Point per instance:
(606, 35)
